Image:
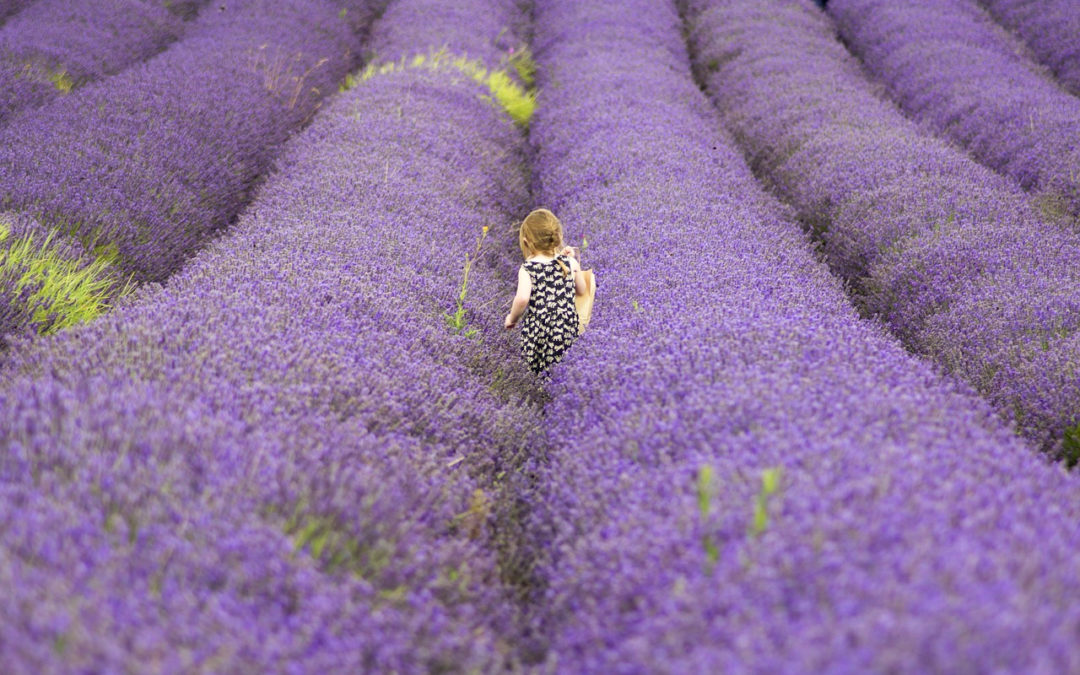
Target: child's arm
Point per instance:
(521, 298)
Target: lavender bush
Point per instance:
(956, 259)
(1050, 28)
(951, 67)
(152, 160)
(57, 45)
(744, 476)
(285, 459)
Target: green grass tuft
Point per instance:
(525, 66)
(67, 292)
(42, 72)
(517, 101)
(61, 80)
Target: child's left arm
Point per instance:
(521, 299)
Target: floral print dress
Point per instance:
(550, 325)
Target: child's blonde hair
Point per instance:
(541, 234)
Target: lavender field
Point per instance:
(259, 412)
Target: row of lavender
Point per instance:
(282, 461)
(140, 167)
(56, 45)
(955, 258)
(1049, 28)
(746, 477)
(952, 67)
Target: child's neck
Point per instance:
(540, 257)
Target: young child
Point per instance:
(547, 284)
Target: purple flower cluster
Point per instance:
(951, 67)
(1049, 28)
(955, 258)
(743, 475)
(285, 460)
(56, 45)
(153, 159)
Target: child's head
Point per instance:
(541, 234)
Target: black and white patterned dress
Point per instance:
(550, 325)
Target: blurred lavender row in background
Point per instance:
(955, 258)
(56, 45)
(140, 168)
(950, 66)
(745, 476)
(287, 459)
(149, 162)
(1050, 28)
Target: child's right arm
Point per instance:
(521, 298)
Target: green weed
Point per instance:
(770, 484)
(456, 321)
(704, 498)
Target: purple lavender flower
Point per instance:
(55, 46)
(1049, 28)
(744, 476)
(951, 67)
